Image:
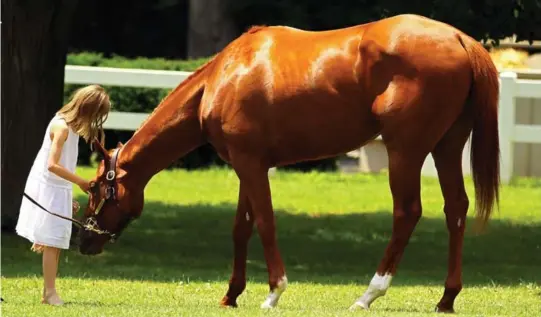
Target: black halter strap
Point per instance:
(111, 193)
(110, 176)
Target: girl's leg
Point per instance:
(50, 269)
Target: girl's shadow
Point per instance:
(89, 304)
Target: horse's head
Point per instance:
(112, 204)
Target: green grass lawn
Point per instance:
(332, 230)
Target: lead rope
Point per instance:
(91, 224)
(52, 213)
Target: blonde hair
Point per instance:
(86, 112)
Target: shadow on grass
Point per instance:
(172, 243)
(91, 304)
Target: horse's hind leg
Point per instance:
(448, 159)
(405, 182)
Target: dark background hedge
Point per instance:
(123, 30)
(159, 28)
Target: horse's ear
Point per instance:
(119, 144)
(96, 146)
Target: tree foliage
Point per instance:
(34, 45)
(159, 28)
(482, 19)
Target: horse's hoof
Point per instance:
(226, 303)
(358, 306)
(274, 296)
(271, 301)
(444, 310)
(266, 305)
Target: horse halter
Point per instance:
(110, 196)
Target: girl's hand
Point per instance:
(38, 248)
(59, 135)
(84, 186)
(75, 206)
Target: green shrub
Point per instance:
(135, 99)
(97, 59)
(131, 99)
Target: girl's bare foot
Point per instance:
(51, 297)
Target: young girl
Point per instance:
(52, 176)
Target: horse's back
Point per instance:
(306, 94)
(420, 41)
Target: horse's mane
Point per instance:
(182, 84)
(255, 28)
(251, 30)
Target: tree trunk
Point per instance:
(34, 40)
(210, 27)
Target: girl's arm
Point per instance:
(59, 135)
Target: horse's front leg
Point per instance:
(254, 178)
(242, 231)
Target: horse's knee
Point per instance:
(410, 212)
(457, 206)
(416, 211)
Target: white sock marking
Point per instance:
(274, 296)
(378, 287)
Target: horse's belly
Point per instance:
(319, 133)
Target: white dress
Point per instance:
(52, 192)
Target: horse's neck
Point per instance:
(171, 131)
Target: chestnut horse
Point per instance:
(278, 95)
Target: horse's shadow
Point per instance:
(193, 243)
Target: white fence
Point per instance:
(144, 78)
(511, 88)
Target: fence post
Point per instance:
(506, 123)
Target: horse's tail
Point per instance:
(485, 149)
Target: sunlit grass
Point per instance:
(332, 230)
